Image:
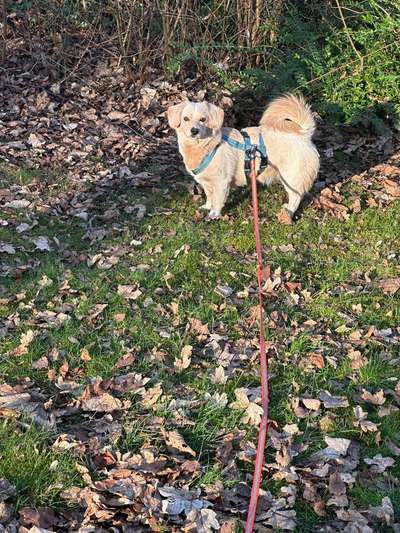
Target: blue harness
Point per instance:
(245, 146)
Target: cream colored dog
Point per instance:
(286, 126)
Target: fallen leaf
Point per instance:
(219, 377)
(336, 484)
(17, 204)
(40, 363)
(129, 292)
(332, 402)
(7, 248)
(202, 521)
(42, 243)
(312, 404)
(179, 500)
(176, 443)
(152, 396)
(96, 311)
(85, 356)
(317, 360)
(101, 404)
(385, 512)
(119, 317)
(183, 362)
(281, 519)
(357, 360)
(126, 360)
(377, 399)
(392, 187)
(338, 445)
(117, 115)
(7, 489)
(223, 290)
(25, 341)
(362, 422)
(387, 410)
(379, 463)
(195, 326)
(389, 286)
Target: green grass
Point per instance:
(27, 461)
(194, 257)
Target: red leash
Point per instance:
(255, 489)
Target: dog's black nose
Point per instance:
(194, 131)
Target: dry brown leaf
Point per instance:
(176, 444)
(385, 512)
(126, 360)
(392, 187)
(336, 484)
(101, 404)
(317, 360)
(201, 521)
(311, 403)
(332, 402)
(219, 377)
(183, 362)
(357, 360)
(362, 422)
(129, 292)
(195, 326)
(377, 399)
(7, 490)
(379, 463)
(96, 311)
(152, 395)
(338, 445)
(389, 286)
(40, 363)
(228, 527)
(25, 341)
(119, 317)
(387, 410)
(85, 356)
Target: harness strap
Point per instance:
(245, 147)
(263, 153)
(233, 143)
(206, 161)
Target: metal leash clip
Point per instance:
(252, 152)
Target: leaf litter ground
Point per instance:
(129, 396)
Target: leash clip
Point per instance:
(251, 152)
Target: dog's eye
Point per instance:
(203, 119)
(185, 119)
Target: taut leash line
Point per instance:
(262, 435)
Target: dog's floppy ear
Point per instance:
(216, 115)
(174, 114)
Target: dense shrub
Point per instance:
(345, 55)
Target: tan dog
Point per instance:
(286, 126)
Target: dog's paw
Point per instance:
(213, 215)
(285, 217)
(205, 207)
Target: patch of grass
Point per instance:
(27, 461)
(208, 423)
(186, 261)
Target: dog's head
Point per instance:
(196, 120)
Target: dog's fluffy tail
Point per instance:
(289, 113)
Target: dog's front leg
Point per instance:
(220, 194)
(209, 192)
